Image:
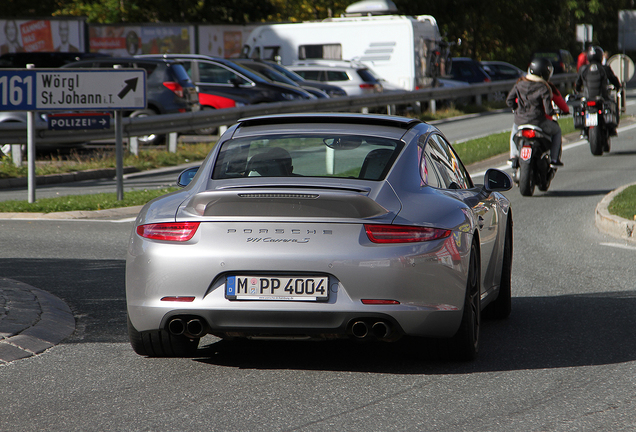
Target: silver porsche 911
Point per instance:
(322, 226)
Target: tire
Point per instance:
(210, 130)
(152, 139)
(160, 343)
(595, 138)
(501, 307)
(526, 179)
(464, 345)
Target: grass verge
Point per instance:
(88, 202)
(147, 159)
(624, 204)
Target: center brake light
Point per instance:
(403, 234)
(169, 231)
(591, 103)
(175, 87)
(528, 133)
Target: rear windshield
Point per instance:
(367, 75)
(307, 155)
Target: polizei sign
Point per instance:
(60, 89)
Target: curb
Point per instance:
(31, 321)
(611, 224)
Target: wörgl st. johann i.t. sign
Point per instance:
(68, 89)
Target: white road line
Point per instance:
(619, 245)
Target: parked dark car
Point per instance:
(169, 89)
(468, 70)
(561, 60)
(499, 70)
(277, 77)
(226, 78)
(44, 59)
(329, 89)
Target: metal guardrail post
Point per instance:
(172, 142)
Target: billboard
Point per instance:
(128, 40)
(28, 35)
(223, 40)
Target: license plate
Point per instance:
(526, 152)
(310, 288)
(591, 119)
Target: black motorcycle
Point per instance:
(533, 167)
(597, 119)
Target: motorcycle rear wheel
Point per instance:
(595, 138)
(526, 179)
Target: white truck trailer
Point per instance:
(406, 51)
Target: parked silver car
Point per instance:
(354, 77)
(322, 226)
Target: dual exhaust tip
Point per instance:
(191, 327)
(377, 329)
(196, 328)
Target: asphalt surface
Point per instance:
(32, 320)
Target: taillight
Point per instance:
(170, 231)
(182, 299)
(403, 234)
(528, 133)
(379, 302)
(487, 80)
(367, 86)
(175, 87)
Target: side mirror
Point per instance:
(186, 176)
(497, 181)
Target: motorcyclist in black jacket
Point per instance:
(531, 100)
(593, 79)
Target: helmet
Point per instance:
(594, 54)
(541, 67)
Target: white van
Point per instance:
(406, 51)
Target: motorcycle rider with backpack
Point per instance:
(531, 100)
(593, 80)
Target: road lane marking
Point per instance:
(619, 245)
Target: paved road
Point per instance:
(565, 360)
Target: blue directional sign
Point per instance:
(72, 121)
(69, 89)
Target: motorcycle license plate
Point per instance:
(591, 119)
(526, 153)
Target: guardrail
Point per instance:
(15, 133)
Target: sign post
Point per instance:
(71, 90)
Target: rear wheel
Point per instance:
(464, 345)
(595, 137)
(526, 179)
(160, 343)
